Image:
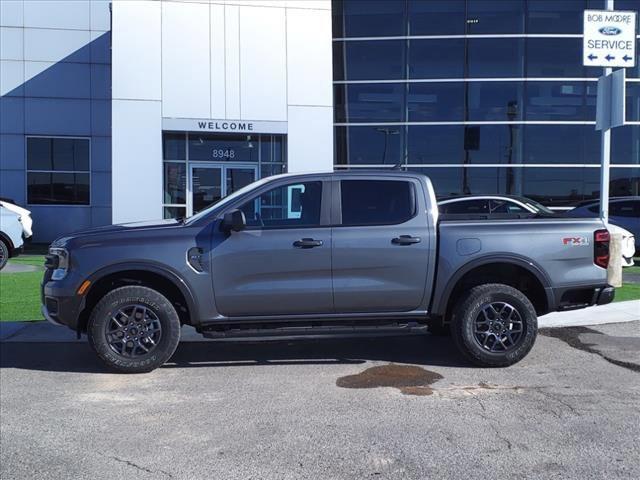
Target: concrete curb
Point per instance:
(36, 332)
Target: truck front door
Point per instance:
(281, 263)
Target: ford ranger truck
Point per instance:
(356, 252)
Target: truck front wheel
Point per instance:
(494, 325)
(134, 329)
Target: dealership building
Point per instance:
(135, 110)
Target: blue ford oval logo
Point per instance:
(610, 31)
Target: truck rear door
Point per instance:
(380, 239)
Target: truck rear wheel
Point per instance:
(134, 329)
(494, 325)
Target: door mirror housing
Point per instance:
(234, 221)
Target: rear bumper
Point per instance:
(582, 296)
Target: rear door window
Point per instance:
(377, 202)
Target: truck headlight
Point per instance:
(58, 259)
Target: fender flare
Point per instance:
(441, 300)
(145, 266)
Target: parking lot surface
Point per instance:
(395, 407)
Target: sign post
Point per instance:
(609, 41)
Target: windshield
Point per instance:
(224, 201)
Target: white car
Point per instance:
(628, 244)
(23, 213)
(512, 204)
(10, 235)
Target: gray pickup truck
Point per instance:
(356, 252)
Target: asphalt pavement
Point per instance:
(396, 407)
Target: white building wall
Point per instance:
(136, 111)
(259, 60)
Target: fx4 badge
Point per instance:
(575, 241)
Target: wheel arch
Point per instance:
(153, 276)
(519, 272)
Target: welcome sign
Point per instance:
(609, 38)
(226, 126)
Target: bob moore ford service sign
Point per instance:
(609, 39)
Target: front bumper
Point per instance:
(60, 303)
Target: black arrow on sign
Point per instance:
(610, 57)
(626, 58)
(592, 56)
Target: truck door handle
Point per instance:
(307, 243)
(406, 240)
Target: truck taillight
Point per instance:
(601, 248)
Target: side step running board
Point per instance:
(359, 331)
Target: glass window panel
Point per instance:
(57, 188)
(487, 180)
(436, 17)
(495, 16)
(465, 206)
(493, 144)
(39, 153)
(435, 144)
(557, 57)
(625, 182)
(370, 60)
(369, 145)
(371, 18)
(278, 148)
(238, 177)
(496, 57)
(633, 101)
(555, 16)
(175, 212)
(370, 102)
(206, 185)
(625, 144)
(62, 153)
(436, 58)
(367, 202)
(288, 206)
(635, 71)
(494, 101)
(561, 100)
(269, 169)
(81, 154)
(223, 148)
(560, 187)
(436, 102)
(561, 144)
(446, 181)
(175, 182)
(174, 146)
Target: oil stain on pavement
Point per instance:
(618, 350)
(409, 379)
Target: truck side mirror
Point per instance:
(234, 221)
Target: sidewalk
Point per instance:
(612, 313)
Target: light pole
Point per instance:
(387, 132)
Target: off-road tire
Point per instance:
(4, 254)
(121, 298)
(468, 309)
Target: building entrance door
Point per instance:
(208, 183)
